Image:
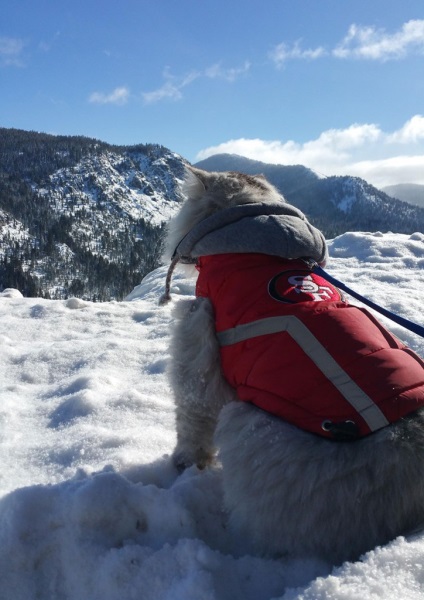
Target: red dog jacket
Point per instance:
(292, 346)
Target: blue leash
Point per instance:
(414, 327)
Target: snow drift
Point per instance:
(91, 507)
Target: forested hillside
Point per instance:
(80, 217)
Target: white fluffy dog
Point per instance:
(295, 493)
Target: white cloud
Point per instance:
(282, 53)
(168, 90)
(412, 131)
(390, 171)
(173, 86)
(363, 150)
(217, 72)
(333, 146)
(119, 95)
(375, 44)
(360, 42)
(11, 52)
(341, 141)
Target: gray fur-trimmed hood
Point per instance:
(277, 229)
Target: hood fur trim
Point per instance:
(274, 229)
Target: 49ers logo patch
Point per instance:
(302, 286)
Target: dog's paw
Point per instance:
(181, 463)
(183, 460)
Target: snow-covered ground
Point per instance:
(91, 508)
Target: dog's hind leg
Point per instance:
(199, 388)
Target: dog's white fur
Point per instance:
(294, 494)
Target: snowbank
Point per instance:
(91, 507)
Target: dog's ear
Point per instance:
(195, 182)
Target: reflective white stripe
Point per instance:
(356, 397)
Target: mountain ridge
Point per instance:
(334, 204)
(80, 217)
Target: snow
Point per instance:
(76, 188)
(13, 230)
(91, 507)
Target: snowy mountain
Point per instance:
(333, 204)
(91, 507)
(408, 192)
(80, 217)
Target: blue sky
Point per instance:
(336, 85)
